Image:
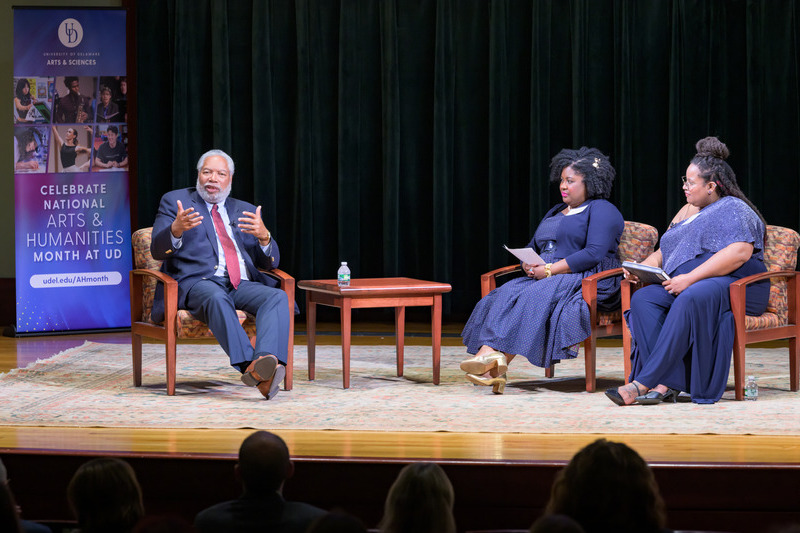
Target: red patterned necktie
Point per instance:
(231, 257)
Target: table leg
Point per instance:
(400, 334)
(346, 327)
(311, 333)
(436, 335)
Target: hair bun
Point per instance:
(712, 147)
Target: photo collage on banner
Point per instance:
(72, 206)
(60, 126)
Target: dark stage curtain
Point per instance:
(413, 137)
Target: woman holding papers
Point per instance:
(683, 329)
(543, 316)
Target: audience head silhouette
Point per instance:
(556, 523)
(105, 496)
(337, 522)
(419, 501)
(607, 486)
(163, 523)
(264, 463)
(9, 520)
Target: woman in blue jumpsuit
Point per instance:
(683, 330)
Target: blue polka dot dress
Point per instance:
(541, 320)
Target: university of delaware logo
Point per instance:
(70, 33)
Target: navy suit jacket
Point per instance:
(585, 238)
(197, 257)
(264, 514)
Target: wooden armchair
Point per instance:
(636, 243)
(780, 321)
(178, 323)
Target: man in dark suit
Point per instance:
(213, 246)
(264, 465)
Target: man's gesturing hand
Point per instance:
(251, 223)
(185, 220)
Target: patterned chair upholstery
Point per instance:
(636, 243)
(780, 321)
(178, 323)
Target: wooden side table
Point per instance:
(374, 292)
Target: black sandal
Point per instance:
(616, 397)
(653, 397)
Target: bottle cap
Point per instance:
(344, 263)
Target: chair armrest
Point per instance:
(594, 278)
(137, 279)
(279, 275)
(286, 283)
(489, 279)
(738, 292)
(150, 273)
(589, 285)
(740, 284)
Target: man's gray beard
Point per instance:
(213, 198)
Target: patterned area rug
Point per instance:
(90, 386)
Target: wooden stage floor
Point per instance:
(397, 446)
(500, 480)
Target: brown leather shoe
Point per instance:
(260, 370)
(270, 387)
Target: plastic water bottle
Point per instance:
(751, 388)
(343, 276)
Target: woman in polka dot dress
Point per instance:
(542, 316)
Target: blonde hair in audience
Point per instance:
(420, 501)
(105, 495)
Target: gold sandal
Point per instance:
(481, 364)
(498, 383)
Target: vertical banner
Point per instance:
(72, 210)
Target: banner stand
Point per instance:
(11, 331)
(71, 183)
